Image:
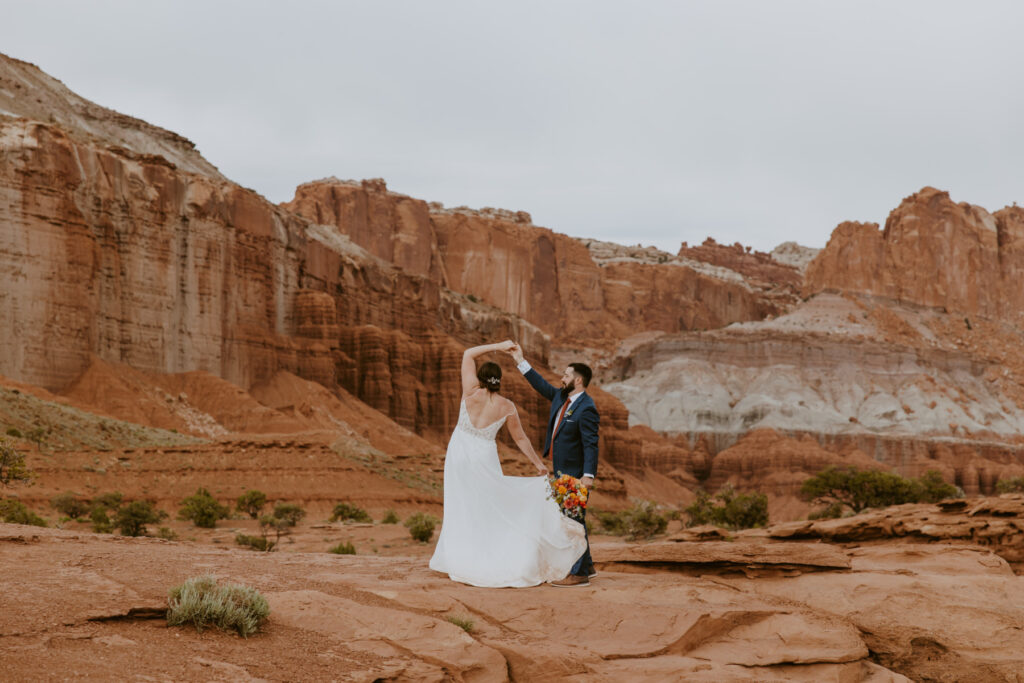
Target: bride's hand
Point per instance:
(543, 470)
(506, 345)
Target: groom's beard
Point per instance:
(566, 390)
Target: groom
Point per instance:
(571, 440)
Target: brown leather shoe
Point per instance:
(570, 581)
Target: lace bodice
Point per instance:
(488, 432)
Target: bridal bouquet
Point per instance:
(570, 495)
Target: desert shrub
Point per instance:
(390, 518)
(862, 489)
(101, 523)
(421, 526)
(251, 503)
(203, 602)
(1011, 485)
(280, 523)
(202, 509)
(343, 549)
(255, 542)
(166, 534)
(12, 464)
(15, 512)
(465, 623)
(345, 513)
(640, 521)
(14, 432)
(833, 511)
(931, 488)
(131, 519)
(37, 435)
(71, 505)
(729, 509)
(108, 501)
(290, 513)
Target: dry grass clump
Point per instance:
(465, 623)
(201, 601)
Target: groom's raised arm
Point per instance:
(532, 376)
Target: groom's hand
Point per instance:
(517, 353)
(587, 482)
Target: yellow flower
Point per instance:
(561, 490)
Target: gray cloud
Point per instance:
(651, 122)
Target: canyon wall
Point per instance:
(932, 252)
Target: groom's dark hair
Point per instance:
(583, 371)
(489, 375)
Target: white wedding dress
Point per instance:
(499, 531)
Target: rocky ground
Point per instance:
(756, 607)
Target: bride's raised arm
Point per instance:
(469, 380)
(515, 428)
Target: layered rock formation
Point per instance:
(932, 252)
(577, 291)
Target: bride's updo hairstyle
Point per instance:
(489, 375)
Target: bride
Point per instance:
(497, 530)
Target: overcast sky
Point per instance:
(635, 122)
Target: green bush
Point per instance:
(290, 513)
(390, 518)
(729, 509)
(343, 549)
(251, 503)
(101, 523)
(1011, 485)
(70, 505)
(833, 511)
(421, 526)
(203, 602)
(131, 519)
(203, 509)
(345, 512)
(14, 432)
(638, 522)
(255, 542)
(12, 464)
(166, 534)
(465, 623)
(15, 512)
(932, 488)
(861, 489)
(109, 501)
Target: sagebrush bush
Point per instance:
(343, 549)
(15, 512)
(167, 534)
(390, 518)
(729, 509)
(261, 543)
(203, 602)
(203, 509)
(640, 521)
(131, 519)
(14, 432)
(344, 512)
(421, 526)
(71, 505)
(251, 503)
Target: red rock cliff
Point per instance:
(932, 252)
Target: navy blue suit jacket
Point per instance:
(576, 441)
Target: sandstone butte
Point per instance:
(169, 329)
